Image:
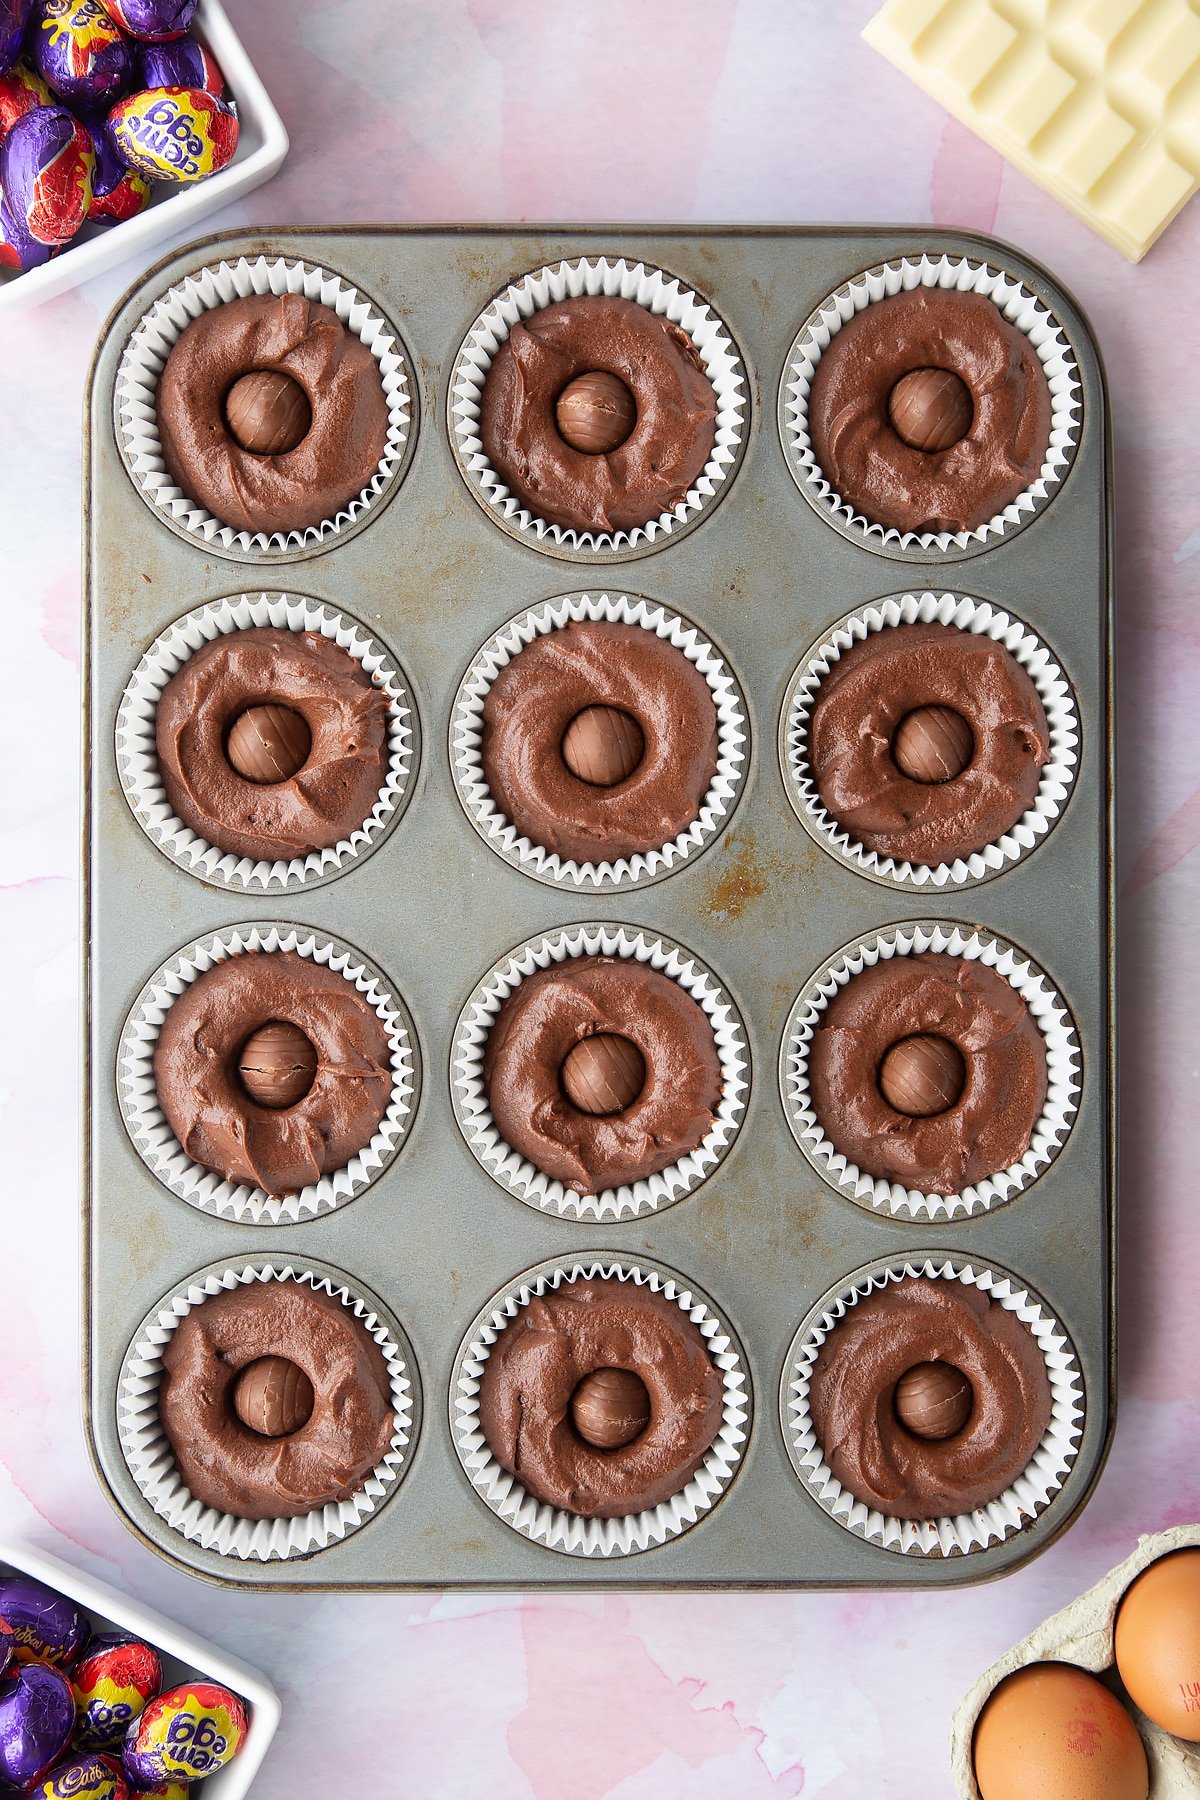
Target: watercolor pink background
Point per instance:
(573, 110)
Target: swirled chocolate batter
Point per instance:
(280, 1150)
(863, 702)
(674, 430)
(226, 1464)
(531, 706)
(553, 1010)
(336, 786)
(885, 477)
(974, 1008)
(852, 1398)
(335, 459)
(552, 1345)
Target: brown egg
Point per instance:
(1158, 1643)
(1053, 1732)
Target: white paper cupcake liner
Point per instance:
(1021, 308)
(150, 1459)
(984, 620)
(963, 1533)
(1049, 1013)
(136, 411)
(137, 754)
(659, 293)
(466, 741)
(469, 1091)
(549, 1525)
(153, 1137)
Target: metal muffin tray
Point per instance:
(764, 906)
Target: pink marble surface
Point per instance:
(571, 109)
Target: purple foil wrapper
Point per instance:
(89, 1777)
(14, 17)
(184, 63)
(80, 54)
(118, 192)
(37, 1716)
(46, 167)
(17, 249)
(21, 89)
(155, 21)
(44, 1624)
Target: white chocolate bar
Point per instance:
(1098, 101)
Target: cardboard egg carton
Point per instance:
(1082, 1633)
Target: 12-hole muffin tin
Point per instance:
(434, 1234)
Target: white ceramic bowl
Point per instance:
(262, 146)
(184, 1657)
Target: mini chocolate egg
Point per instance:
(154, 21)
(112, 1684)
(14, 17)
(46, 166)
(1053, 1732)
(1157, 1644)
(21, 89)
(46, 1627)
(6, 1641)
(174, 134)
(118, 192)
(37, 1715)
(17, 249)
(80, 54)
(88, 1777)
(165, 1790)
(184, 62)
(185, 1734)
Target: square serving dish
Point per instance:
(433, 571)
(185, 1657)
(262, 146)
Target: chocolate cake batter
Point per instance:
(328, 798)
(851, 1396)
(864, 699)
(951, 997)
(657, 464)
(332, 463)
(211, 1113)
(539, 1360)
(227, 1465)
(534, 699)
(556, 1008)
(871, 466)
